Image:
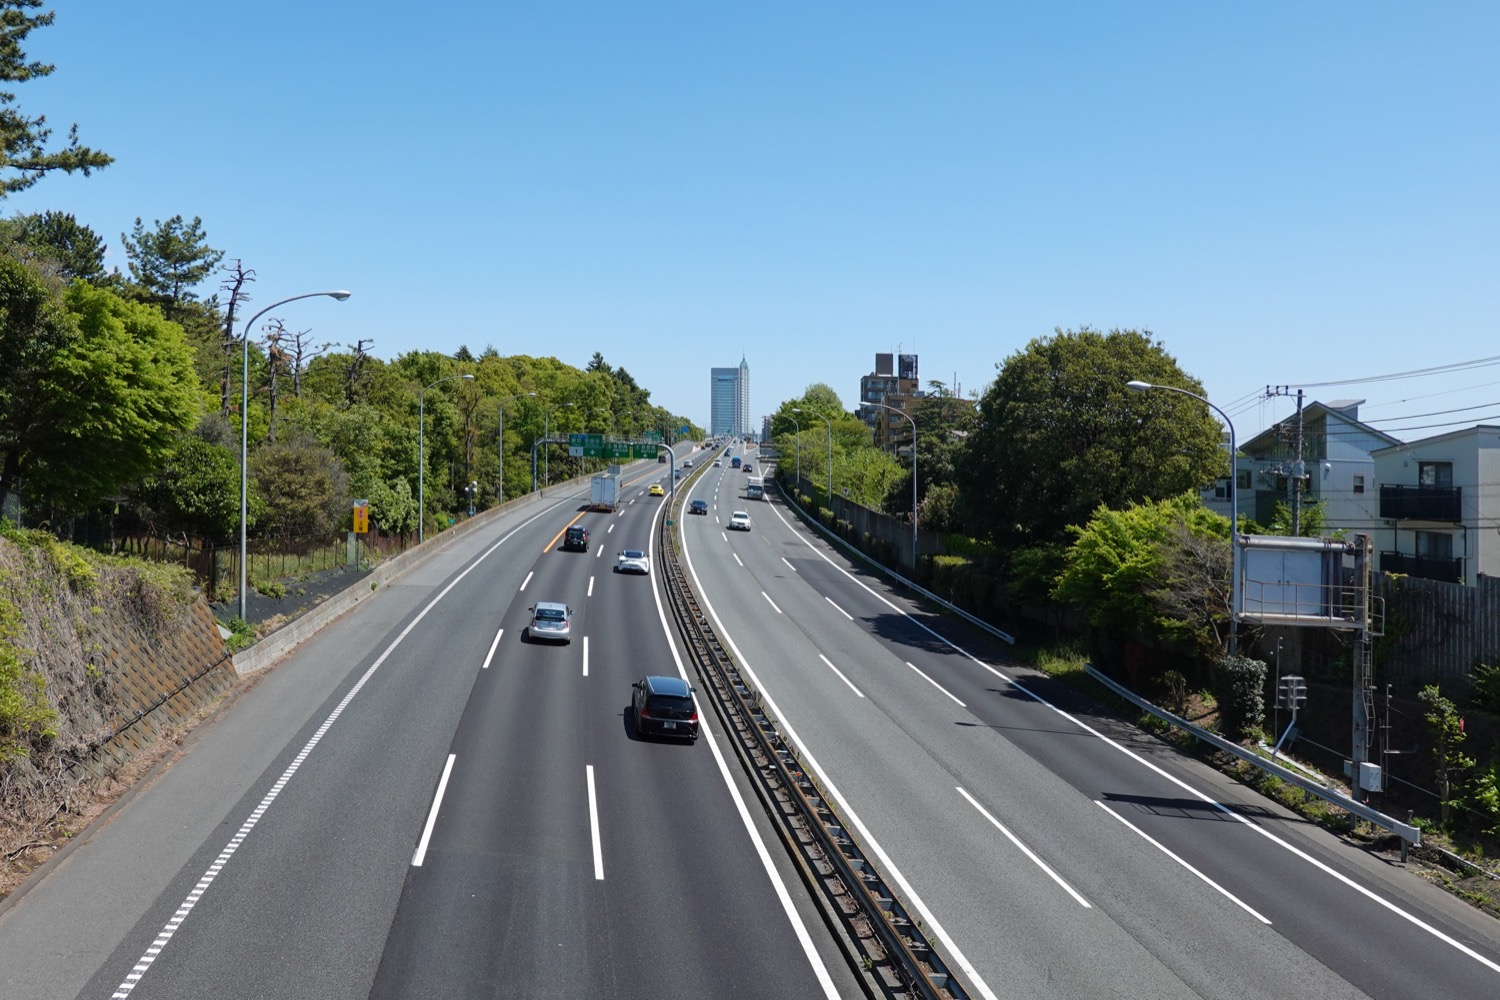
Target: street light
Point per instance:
(1234, 509)
(798, 409)
(245, 426)
(911, 420)
(798, 488)
(422, 455)
(500, 442)
(546, 433)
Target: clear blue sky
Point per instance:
(1281, 192)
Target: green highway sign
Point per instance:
(617, 449)
(575, 444)
(593, 446)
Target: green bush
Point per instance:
(1239, 685)
(1486, 680)
(26, 720)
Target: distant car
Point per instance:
(718, 463)
(633, 561)
(657, 490)
(550, 621)
(687, 463)
(576, 538)
(698, 507)
(747, 467)
(664, 705)
(739, 521)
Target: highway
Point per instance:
(1054, 853)
(419, 803)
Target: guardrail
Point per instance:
(886, 948)
(1410, 835)
(910, 585)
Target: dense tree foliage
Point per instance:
(58, 244)
(1059, 434)
(170, 261)
(24, 157)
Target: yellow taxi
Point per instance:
(657, 490)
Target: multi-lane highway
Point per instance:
(1055, 854)
(421, 803)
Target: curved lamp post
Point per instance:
(500, 442)
(799, 451)
(340, 295)
(422, 455)
(913, 422)
(798, 409)
(1234, 508)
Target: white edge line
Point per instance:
(1024, 849)
(841, 675)
(809, 949)
(935, 684)
(171, 927)
(432, 814)
(868, 840)
(1161, 847)
(1201, 796)
(493, 646)
(838, 609)
(594, 826)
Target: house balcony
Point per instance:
(1421, 503)
(1445, 568)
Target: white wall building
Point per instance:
(1439, 506)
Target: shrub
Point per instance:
(1239, 685)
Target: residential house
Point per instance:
(1440, 506)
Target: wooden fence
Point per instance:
(1437, 632)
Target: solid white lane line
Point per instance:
(809, 949)
(1161, 847)
(585, 656)
(737, 559)
(789, 565)
(437, 802)
(527, 580)
(594, 827)
(935, 684)
(841, 675)
(164, 936)
(839, 609)
(1024, 849)
(493, 646)
(769, 601)
(868, 840)
(591, 588)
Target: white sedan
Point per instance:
(633, 561)
(739, 521)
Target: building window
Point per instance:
(1221, 490)
(1435, 473)
(1359, 484)
(1436, 544)
(1243, 479)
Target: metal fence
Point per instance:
(1437, 632)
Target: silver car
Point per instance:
(551, 622)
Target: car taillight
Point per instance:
(695, 716)
(645, 712)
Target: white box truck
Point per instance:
(604, 493)
(755, 488)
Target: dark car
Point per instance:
(664, 705)
(747, 467)
(698, 507)
(576, 538)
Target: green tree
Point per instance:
(193, 491)
(97, 397)
(23, 139)
(300, 487)
(58, 243)
(1059, 434)
(168, 262)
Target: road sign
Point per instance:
(684, 429)
(593, 446)
(617, 449)
(576, 444)
(361, 516)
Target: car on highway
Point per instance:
(698, 507)
(657, 490)
(718, 463)
(576, 538)
(747, 467)
(550, 621)
(687, 463)
(664, 705)
(739, 521)
(633, 561)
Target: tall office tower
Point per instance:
(742, 399)
(729, 400)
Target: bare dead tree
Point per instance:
(236, 276)
(302, 354)
(276, 363)
(354, 375)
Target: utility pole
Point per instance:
(1297, 474)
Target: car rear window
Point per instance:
(549, 615)
(633, 554)
(669, 703)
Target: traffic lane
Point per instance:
(677, 857)
(275, 879)
(504, 900)
(1179, 910)
(1253, 856)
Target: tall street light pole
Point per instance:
(911, 420)
(799, 452)
(1234, 509)
(798, 409)
(500, 443)
(245, 428)
(422, 455)
(546, 434)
